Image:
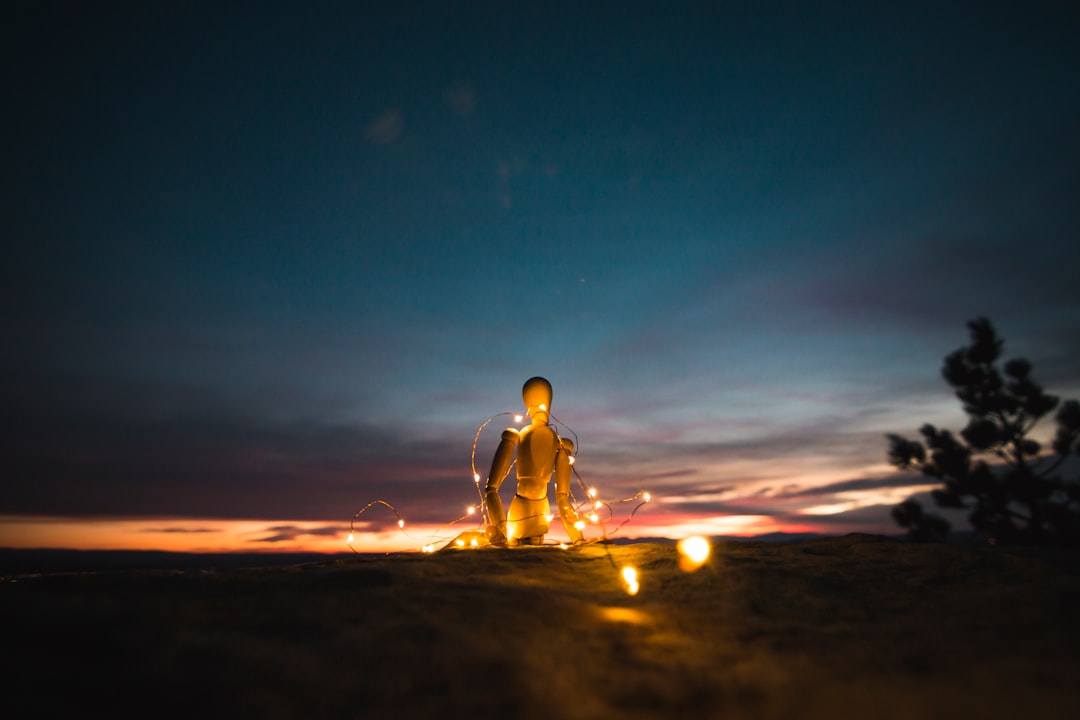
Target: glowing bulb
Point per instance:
(476, 478)
(597, 505)
(428, 549)
(580, 525)
(549, 518)
(351, 538)
(572, 459)
(696, 548)
(593, 517)
(646, 497)
(471, 510)
(459, 542)
(474, 543)
(630, 580)
(400, 523)
(518, 418)
(543, 407)
(694, 551)
(592, 492)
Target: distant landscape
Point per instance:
(15, 561)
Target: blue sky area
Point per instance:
(274, 260)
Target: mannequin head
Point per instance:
(537, 396)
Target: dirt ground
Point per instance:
(852, 627)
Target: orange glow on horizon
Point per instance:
(196, 535)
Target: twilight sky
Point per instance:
(267, 262)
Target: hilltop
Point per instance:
(859, 626)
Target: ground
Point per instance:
(852, 627)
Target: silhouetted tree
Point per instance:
(922, 527)
(1017, 499)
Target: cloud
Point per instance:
(868, 518)
(181, 530)
(287, 533)
(941, 281)
(215, 461)
(892, 481)
(385, 128)
(210, 458)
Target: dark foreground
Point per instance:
(854, 627)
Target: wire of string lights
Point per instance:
(589, 508)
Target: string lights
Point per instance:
(352, 523)
(592, 509)
(693, 552)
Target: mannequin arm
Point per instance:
(563, 473)
(500, 466)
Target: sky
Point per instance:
(269, 262)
